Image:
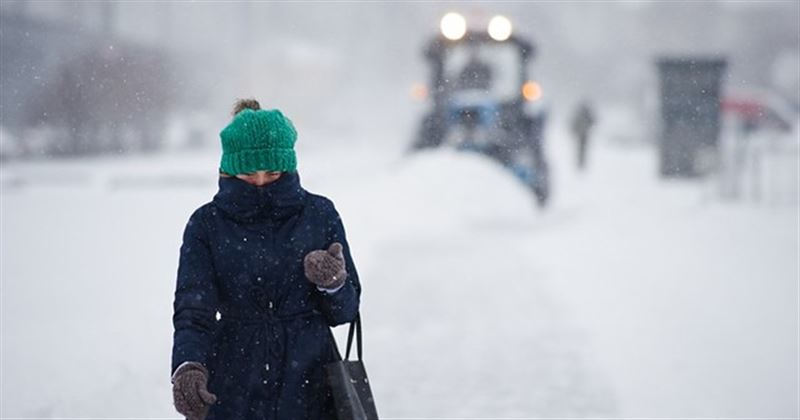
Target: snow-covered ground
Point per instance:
(629, 297)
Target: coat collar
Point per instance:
(246, 202)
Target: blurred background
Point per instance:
(604, 224)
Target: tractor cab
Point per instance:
(479, 86)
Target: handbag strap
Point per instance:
(355, 326)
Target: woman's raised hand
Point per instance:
(325, 268)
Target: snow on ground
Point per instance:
(630, 296)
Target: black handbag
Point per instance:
(349, 384)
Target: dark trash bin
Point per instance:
(690, 112)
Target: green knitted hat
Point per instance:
(260, 140)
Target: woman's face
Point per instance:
(259, 178)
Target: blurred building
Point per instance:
(71, 86)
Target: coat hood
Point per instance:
(249, 203)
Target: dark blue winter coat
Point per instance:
(242, 258)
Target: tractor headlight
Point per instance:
(453, 26)
(499, 28)
(532, 91)
(419, 91)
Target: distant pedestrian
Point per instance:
(582, 122)
(265, 270)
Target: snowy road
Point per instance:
(629, 297)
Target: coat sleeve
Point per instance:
(195, 305)
(341, 306)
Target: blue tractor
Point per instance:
(481, 97)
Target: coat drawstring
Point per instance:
(275, 331)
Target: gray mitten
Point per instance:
(191, 397)
(325, 268)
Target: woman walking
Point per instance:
(265, 270)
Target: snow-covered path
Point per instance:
(691, 304)
(629, 297)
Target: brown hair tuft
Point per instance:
(242, 104)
